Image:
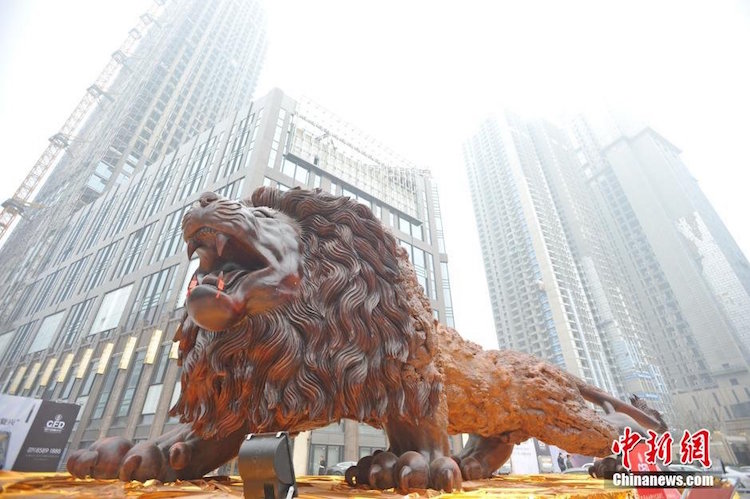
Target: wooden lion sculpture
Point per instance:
(304, 310)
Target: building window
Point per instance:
(420, 259)
(161, 186)
(76, 319)
(22, 334)
(45, 290)
(23, 301)
(447, 295)
(149, 296)
(133, 251)
(69, 283)
(233, 190)
(410, 228)
(4, 340)
(365, 450)
(127, 208)
(134, 377)
(68, 386)
(74, 235)
(100, 266)
(99, 222)
(88, 381)
(192, 266)
(233, 155)
(157, 383)
(175, 397)
(170, 236)
(106, 389)
(51, 384)
(46, 332)
(111, 309)
(322, 456)
(196, 171)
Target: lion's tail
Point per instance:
(610, 404)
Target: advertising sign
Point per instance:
(523, 460)
(33, 433)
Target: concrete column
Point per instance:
(351, 441)
(300, 453)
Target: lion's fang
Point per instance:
(191, 249)
(221, 242)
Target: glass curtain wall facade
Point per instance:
(537, 296)
(554, 289)
(685, 269)
(96, 326)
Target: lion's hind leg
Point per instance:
(481, 456)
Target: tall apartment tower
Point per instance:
(689, 277)
(95, 326)
(554, 289)
(192, 64)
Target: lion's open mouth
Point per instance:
(224, 260)
(249, 261)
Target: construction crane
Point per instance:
(15, 206)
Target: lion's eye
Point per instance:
(261, 212)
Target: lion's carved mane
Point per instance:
(347, 346)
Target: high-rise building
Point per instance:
(95, 326)
(689, 277)
(554, 288)
(192, 63)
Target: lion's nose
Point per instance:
(207, 198)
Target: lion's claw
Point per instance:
(381, 470)
(83, 462)
(471, 469)
(360, 473)
(444, 474)
(101, 460)
(143, 462)
(411, 472)
(180, 455)
(385, 470)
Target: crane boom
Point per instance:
(13, 207)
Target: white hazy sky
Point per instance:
(420, 75)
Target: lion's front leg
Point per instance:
(178, 454)
(418, 457)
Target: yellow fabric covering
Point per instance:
(310, 487)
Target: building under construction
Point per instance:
(186, 64)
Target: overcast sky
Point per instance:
(420, 75)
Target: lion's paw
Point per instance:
(144, 462)
(381, 474)
(445, 474)
(117, 457)
(359, 474)
(101, 460)
(412, 471)
(471, 468)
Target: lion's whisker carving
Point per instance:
(304, 310)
